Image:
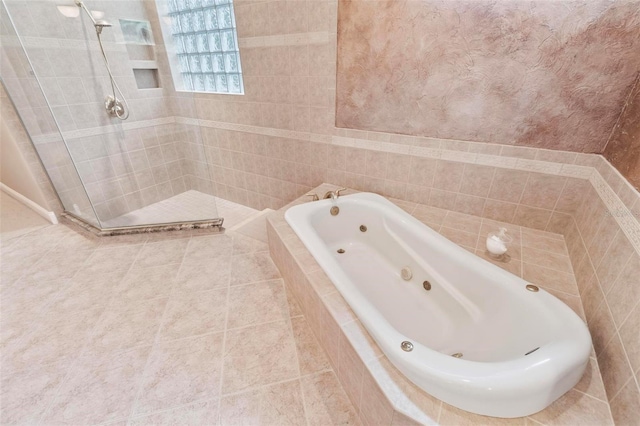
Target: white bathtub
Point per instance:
(473, 308)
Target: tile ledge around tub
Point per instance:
(402, 396)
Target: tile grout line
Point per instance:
(225, 331)
(156, 340)
(68, 375)
(597, 282)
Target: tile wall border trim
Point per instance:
(590, 167)
(296, 39)
(585, 166)
(72, 43)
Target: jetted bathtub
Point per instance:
(461, 328)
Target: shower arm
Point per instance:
(112, 103)
(82, 6)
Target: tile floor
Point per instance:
(189, 328)
(187, 206)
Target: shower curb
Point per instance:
(214, 225)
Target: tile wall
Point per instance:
(606, 261)
(124, 165)
(278, 141)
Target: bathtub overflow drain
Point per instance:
(334, 210)
(532, 287)
(457, 355)
(406, 273)
(363, 228)
(426, 285)
(406, 346)
(340, 251)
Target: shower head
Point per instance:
(100, 24)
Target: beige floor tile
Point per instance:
(245, 245)
(108, 259)
(591, 382)
(452, 416)
(259, 355)
(575, 408)
(126, 326)
(325, 401)
(86, 291)
(199, 276)
(181, 372)
(205, 248)
(162, 253)
(27, 394)
(200, 413)
(101, 388)
(58, 339)
(57, 265)
(190, 314)
(267, 301)
(279, 404)
(249, 268)
(147, 283)
(625, 406)
(28, 293)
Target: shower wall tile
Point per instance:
(76, 93)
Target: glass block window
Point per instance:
(206, 43)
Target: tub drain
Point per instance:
(457, 355)
(340, 251)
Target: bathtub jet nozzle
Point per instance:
(406, 273)
(406, 346)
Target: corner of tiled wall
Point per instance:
(607, 270)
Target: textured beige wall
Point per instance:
(14, 141)
(14, 170)
(551, 74)
(623, 149)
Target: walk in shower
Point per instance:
(92, 85)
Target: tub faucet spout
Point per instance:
(333, 194)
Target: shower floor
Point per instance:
(188, 206)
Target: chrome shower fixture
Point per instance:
(100, 24)
(114, 106)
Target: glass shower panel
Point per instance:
(23, 90)
(147, 169)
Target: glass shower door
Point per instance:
(148, 169)
(24, 93)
